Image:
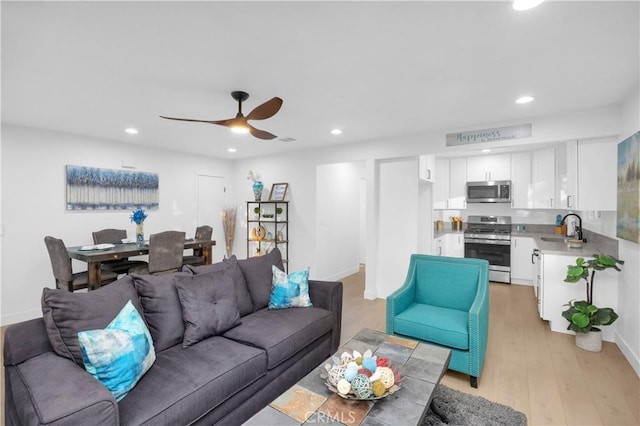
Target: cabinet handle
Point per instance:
(569, 201)
(429, 174)
(439, 251)
(550, 202)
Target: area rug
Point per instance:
(451, 407)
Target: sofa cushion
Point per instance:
(282, 333)
(161, 307)
(185, 384)
(245, 305)
(257, 272)
(209, 305)
(447, 327)
(120, 354)
(289, 290)
(65, 313)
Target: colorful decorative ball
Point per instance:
(350, 372)
(352, 364)
(346, 357)
(344, 387)
(378, 388)
(335, 374)
(386, 376)
(382, 362)
(365, 372)
(358, 360)
(369, 364)
(361, 386)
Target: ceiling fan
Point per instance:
(240, 124)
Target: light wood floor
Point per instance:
(528, 367)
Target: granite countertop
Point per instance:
(440, 233)
(596, 243)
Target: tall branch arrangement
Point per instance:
(229, 227)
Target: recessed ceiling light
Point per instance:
(336, 132)
(486, 150)
(526, 4)
(524, 99)
(232, 150)
(131, 131)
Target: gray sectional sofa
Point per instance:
(222, 379)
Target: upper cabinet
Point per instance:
(449, 190)
(521, 180)
(543, 179)
(426, 168)
(597, 175)
(567, 175)
(489, 167)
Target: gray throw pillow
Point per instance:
(65, 313)
(162, 309)
(245, 304)
(209, 306)
(257, 272)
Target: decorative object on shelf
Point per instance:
(229, 228)
(257, 186)
(362, 377)
(258, 233)
(138, 216)
(583, 316)
(278, 191)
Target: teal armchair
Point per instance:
(445, 301)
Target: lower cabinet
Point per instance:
(521, 263)
(451, 245)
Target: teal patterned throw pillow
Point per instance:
(289, 291)
(119, 355)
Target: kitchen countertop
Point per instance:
(596, 243)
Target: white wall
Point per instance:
(33, 204)
(628, 325)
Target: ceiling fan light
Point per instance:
(240, 129)
(526, 4)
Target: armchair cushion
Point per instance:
(447, 327)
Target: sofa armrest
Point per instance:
(52, 390)
(25, 340)
(400, 299)
(328, 295)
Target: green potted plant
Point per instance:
(584, 317)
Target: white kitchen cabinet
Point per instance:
(597, 175)
(555, 293)
(489, 167)
(521, 261)
(439, 245)
(426, 168)
(458, 183)
(521, 180)
(543, 178)
(449, 189)
(454, 245)
(567, 175)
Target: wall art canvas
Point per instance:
(91, 188)
(629, 188)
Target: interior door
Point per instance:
(211, 199)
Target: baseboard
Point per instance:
(633, 359)
(370, 295)
(19, 317)
(338, 276)
(517, 281)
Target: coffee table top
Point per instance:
(421, 366)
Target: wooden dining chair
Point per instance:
(165, 252)
(62, 272)
(120, 266)
(203, 232)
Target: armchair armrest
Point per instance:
(479, 326)
(52, 390)
(400, 299)
(328, 295)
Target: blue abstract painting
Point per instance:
(629, 189)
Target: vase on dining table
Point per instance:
(140, 235)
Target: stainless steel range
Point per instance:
(489, 237)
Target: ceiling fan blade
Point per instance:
(260, 134)
(220, 122)
(266, 110)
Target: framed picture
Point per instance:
(278, 191)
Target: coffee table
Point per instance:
(309, 401)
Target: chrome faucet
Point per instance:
(578, 228)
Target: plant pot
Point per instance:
(591, 341)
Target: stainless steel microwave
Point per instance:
(498, 191)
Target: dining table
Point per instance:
(95, 257)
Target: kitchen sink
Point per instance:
(554, 239)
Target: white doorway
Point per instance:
(211, 198)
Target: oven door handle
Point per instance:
(493, 242)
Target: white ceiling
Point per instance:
(374, 69)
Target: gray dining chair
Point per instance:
(165, 253)
(203, 232)
(120, 266)
(62, 271)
